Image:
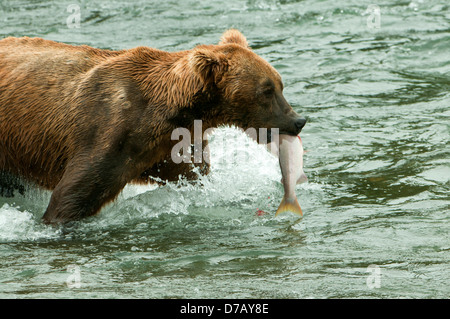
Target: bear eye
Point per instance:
(268, 91)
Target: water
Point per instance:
(376, 207)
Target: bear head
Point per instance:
(250, 89)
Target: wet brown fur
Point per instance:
(84, 122)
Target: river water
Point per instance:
(373, 79)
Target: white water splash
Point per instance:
(17, 225)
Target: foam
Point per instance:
(17, 225)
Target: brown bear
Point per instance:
(84, 122)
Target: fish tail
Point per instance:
(289, 205)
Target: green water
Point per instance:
(376, 207)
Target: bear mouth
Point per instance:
(270, 136)
(288, 133)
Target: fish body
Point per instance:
(290, 154)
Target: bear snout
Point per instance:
(299, 124)
(291, 126)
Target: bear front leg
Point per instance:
(86, 186)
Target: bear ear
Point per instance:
(234, 36)
(208, 64)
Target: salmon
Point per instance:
(290, 153)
